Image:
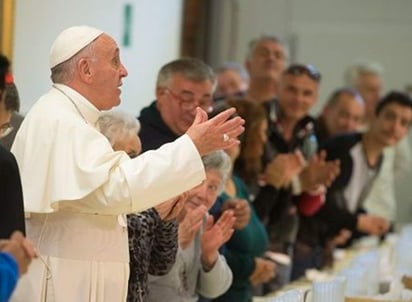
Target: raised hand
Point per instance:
(319, 172)
(264, 271)
(341, 238)
(372, 225)
(220, 132)
(171, 208)
(214, 236)
(280, 171)
(190, 225)
(241, 211)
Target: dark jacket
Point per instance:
(281, 217)
(11, 196)
(335, 212)
(154, 132)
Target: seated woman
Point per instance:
(152, 233)
(199, 268)
(245, 250)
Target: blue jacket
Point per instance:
(9, 274)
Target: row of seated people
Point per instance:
(361, 199)
(304, 225)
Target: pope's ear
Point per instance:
(84, 69)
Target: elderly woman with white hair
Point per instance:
(152, 233)
(199, 268)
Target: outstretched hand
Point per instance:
(241, 211)
(372, 225)
(170, 209)
(220, 132)
(319, 172)
(190, 225)
(214, 236)
(264, 271)
(280, 171)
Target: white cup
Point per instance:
(293, 295)
(355, 282)
(329, 291)
(370, 262)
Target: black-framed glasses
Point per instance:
(187, 100)
(300, 69)
(5, 129)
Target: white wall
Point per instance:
(156, 36)
(331, 34)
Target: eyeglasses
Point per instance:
(188, 102)
(5, 129)
(300, 69)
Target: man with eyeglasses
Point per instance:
(182, 85)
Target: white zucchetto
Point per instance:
(70, 42)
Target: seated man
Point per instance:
(361, 155)
(342, 114)
(199, 269)
(291, 128)
(367, 78)
(232, 81)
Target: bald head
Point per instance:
(344, 111)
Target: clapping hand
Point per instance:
(319, 172)
(372, 225)
(241, 211)
(214, 236)
(190, 225)
(171, 208)
(280, 171)
(264, 271)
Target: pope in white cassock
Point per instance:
(75, 185)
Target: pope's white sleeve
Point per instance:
(147, 180)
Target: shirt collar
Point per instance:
(87, 110)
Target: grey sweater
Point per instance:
(187, 279)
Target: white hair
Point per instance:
(267, 38)
(353, 73)
(117, 125)
(220, 162)
(239, 68)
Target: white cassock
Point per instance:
(75, 186)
